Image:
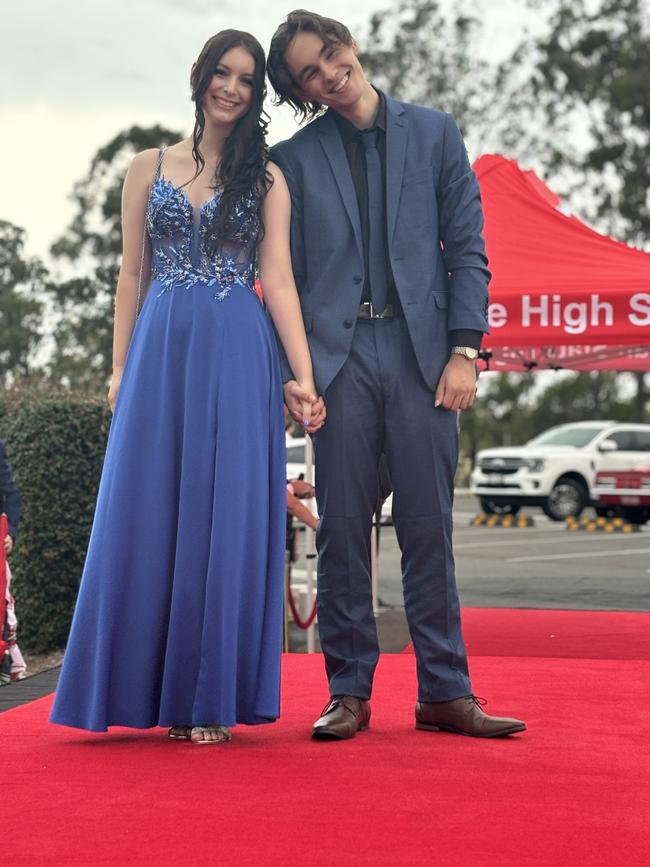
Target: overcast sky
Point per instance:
(73, 74)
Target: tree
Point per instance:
(596, 64)
(579, 396)
(501, 416)
(422, 53)
(419, 54)
(91, 249)
(23, 283)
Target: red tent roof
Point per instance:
(556, 282)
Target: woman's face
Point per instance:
(230, 92)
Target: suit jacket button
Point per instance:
(357, 279)
(348, 323)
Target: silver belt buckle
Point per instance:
(369, 312)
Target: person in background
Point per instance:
(298, 490)
(12, 664)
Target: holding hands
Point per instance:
(304, 405)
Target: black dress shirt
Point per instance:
(355, 153)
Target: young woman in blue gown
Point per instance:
(179, 617)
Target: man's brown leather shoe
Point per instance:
(464, 716)
(342, 718)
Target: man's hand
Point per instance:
(457, 387)
(304, 405)
(8, 544)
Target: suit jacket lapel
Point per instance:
(396, 135)
(333, 146)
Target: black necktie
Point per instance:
(376, 230)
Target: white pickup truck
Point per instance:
(557, 469)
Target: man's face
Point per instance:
(328, 74)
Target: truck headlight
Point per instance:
(535, 464)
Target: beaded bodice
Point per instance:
(178, 231)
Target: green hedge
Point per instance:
(55, 443)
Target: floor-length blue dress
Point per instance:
(179, 615)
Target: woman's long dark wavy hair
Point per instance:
(243, 163)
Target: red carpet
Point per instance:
(556, 634)
(571, 790)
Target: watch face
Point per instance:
(466, 351)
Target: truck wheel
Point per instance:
(494, 507)
(567, 500)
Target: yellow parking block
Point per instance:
(506, 521)
(601, 525)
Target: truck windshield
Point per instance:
(567, 436)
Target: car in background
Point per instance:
(557, 469)
(625, 493)
(296, 466)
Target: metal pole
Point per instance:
(374, 568)
(287, 590)
(310, 542)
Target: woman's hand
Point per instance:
(304, 405)
(114, 388)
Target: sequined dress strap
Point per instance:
(161, 154)
(146, 232)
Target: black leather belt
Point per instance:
(367, 311)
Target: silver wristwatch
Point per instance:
(466, 351)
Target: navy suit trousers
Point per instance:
(379, 402)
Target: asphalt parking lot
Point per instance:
(544, 566)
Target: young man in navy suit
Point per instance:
(391, 270)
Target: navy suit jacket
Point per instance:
(435, 221)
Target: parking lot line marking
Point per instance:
(511, 532)
(578, 554)
(566, 537)
(541, 525)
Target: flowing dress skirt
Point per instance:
(179, 615)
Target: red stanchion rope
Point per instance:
(4, 530)
(302, 624)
